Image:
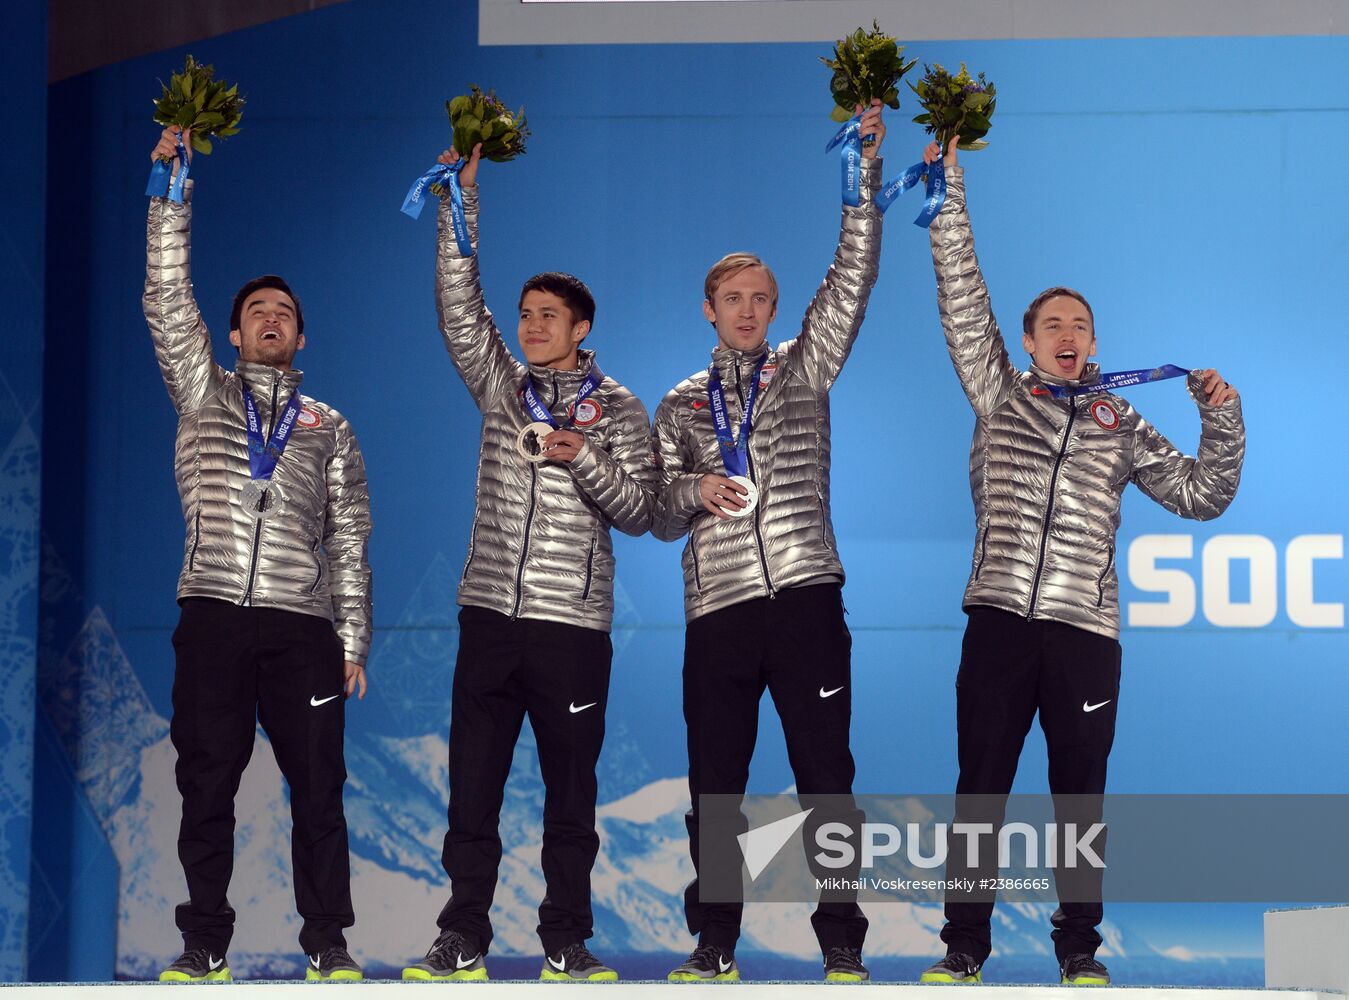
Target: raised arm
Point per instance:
(1198, 488)
(182, 342)
(346, 534)
(972, 335)
(621, 482)
(835, 315)
(470, 333)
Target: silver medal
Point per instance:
(260, 498)
(751, 497)
(529, 442)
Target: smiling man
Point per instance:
(565, 453)
(744, 453)
(274, 590)
(1053, 451)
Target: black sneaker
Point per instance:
(1083, 970)
(197, 965)
(954, 968)
(450, 957)
(333, 963)
(708, 963)
(575, 963)
(844, 965)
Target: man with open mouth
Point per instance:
(274, 590)
(1053, 450)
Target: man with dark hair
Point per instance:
(762, 577)
(1053, 451)
(565, 453)
(274, 590)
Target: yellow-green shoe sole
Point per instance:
(688, 977)
(421, 975)
(941, 977)
(219, 976)
(1086, 981)
(843, 977)
(549, 975)
(340, 976)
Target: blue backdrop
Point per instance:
(1193, 189)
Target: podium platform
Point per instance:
(1305, 948)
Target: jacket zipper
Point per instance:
(318, 577)
(749, 467)
(697, 576)
(590, 566)
(257, 527)
(1049, 507)
(1100, 584)
(529, 522)
(983, 553)
(196, 540)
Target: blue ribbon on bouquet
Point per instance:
(850, 138)
(1117, 380)
(446, 175)
(162, 183)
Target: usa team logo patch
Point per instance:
(766, 374)
(1104, 414)
(308, 418)
(587, 413)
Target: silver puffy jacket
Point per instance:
(540, 545)
(788, 540)
(310, 557)
(1046, 473)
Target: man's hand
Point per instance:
(468, 177)
(354, 679)
(167, 148)
(719, 494)
(933, 151)
(1219, 392)
(871, 127)
(562, 446)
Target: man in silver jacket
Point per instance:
(1051, 456)
(762, 577)
(274, 590)
(536, 595)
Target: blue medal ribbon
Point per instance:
(163, 183)
(1111, 381)
(936, 190)
(263, 456)
(535, 408)
(439, 177)
(850, 138)
(734, 453)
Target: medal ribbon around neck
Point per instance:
(1117, 380)
(734, 453)
(263, 456)
(535, 408)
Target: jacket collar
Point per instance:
(727, 358)
(1091, 374)
(261, 379)
(544, 376)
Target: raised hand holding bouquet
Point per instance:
(476, 118)
(867, 67)
(193, 101)
(959, 105)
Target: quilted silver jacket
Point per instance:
(1047, 473)
(788, 540)
(309, 557)
(540, 545)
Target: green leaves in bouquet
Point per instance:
(482, 118)
(867, 65)
(956, 105)
(194, 99)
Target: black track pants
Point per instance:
(558, 675)
(797, 646)
(1010, 668)
(237, 666)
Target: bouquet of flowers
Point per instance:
(194, 99)
(482, 118)
(866, 65)
(956, 105)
